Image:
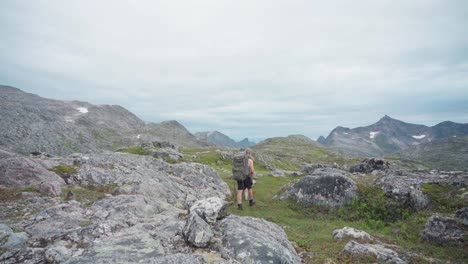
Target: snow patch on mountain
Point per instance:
(419, 136)
(82, 110)
(373, 134)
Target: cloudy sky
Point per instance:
(252, 69)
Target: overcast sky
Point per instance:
(249, 68)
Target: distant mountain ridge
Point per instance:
(388, 136)
(219, 139)
(30, 123)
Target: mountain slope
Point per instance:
(31, 123)
(443, 154)
(219, 139)
(389, 135)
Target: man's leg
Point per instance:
(250, 191)
(240, 190)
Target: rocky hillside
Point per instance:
(444, 154)
(389, 135)
(31, 123)
(291, 153)
(124, 208)
(219, 139)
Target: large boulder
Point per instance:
(19, 172)
(253, 240)
(380, 252)
(325, 187)
(405, 189)
(442, 230)
(369, 165)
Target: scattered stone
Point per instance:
(277, 173)
(197, 232)
(310, 168)
(351, 233)
(356, 249)
(441, 230)
(325, 187)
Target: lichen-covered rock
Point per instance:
(462, 215)
(441, 230)
(19, 172)
(57, 254)
(405, 189)
(310, 168)
(351, 233)
(384, 254)
(197, 232)
(167, 153)
(253, 240)
(277, 173)
(15, 241)
(5, 231)
(210, 209)
(325, 187)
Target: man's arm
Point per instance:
(251, 168)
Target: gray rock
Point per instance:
(197, 232)
(405, 189)
(462, 215)
(325, 187)
(57, 254)
(19, 172)
(277, 173)
(310, 168)
(16, 241)
(369, 165)
(351, 233)
(253, 240)
(441, 230)
(210, 209)
(382, 253)
(5, 231)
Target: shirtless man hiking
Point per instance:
(243, 172)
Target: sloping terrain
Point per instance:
(31, 123)
(444, 154)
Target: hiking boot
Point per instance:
(252, 202)
(239, 207)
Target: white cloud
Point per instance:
(260, 68)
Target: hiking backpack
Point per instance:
(240, 167)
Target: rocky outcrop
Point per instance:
(310, 168)
(19, 172)
(142, 221)
(380, 252)
(325, 187)
(253, 240)
(369, 165)
(166, 154)
(348, 233)
(442, 230)
(405, 189)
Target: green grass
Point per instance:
(135, 150)
(444, 198)
(64, 169)
(311, 228)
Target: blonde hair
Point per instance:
(248, 151)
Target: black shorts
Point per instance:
(245, 184)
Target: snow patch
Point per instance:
(138, 136)
(210, 133)
(454, 136)
(419, 136)
(68, 119)
(345, 133)
(373, 134)
(82, 110)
